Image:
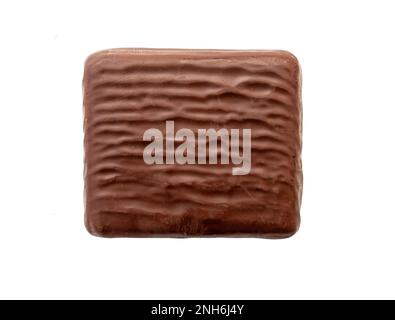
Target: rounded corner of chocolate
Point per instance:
(292, 227)
(291, 57)
(93, 228)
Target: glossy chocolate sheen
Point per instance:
(127, 91)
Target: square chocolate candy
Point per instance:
(183, 143)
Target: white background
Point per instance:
(345, 247)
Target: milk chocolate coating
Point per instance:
(127, 91)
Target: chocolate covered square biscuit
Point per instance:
(183, 143)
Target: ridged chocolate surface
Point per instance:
(127, 91)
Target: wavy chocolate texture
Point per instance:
(127, 91)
